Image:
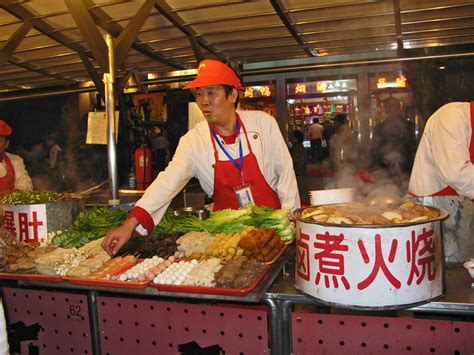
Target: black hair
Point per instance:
(340, 117)
(228, 90)
(299, 136)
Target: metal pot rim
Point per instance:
(296, 214)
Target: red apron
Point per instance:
(227, 177)
(449, 191)
(7, 182)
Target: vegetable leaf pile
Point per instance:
(231, 221)
(90, 225)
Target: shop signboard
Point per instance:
(259, 91)
(322, 87)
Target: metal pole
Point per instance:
(94, 322)
(109, 79)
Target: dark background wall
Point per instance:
(33, 119)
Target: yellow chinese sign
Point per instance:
(399, 82)
(258, 91)
(300, 89)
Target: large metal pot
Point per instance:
(370, 266)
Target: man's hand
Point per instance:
(117, 237)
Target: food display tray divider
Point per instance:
(107, 283)
(30, 277)
(84, 281)
(212, 290)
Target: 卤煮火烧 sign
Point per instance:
(371, 267)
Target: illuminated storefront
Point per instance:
(309, 100)
(259, 96)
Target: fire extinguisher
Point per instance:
(143, 167)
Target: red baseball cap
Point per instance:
(5, 129)
(212, 72)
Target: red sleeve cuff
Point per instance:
(143, 218)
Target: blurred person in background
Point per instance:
(328, 132)
(394, 143)
(159, 149)
(315, 134)
(239, 157)
(342, 143)
(55, 153)
(13, 174)
(55, 163)
(300, 162)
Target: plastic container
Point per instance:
(322, 197)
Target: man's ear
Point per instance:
(235, 95)
(7, 144)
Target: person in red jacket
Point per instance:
(13, 174)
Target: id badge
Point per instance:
(244, 195)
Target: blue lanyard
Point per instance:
(241, 160)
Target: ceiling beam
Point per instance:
(120, 84)
(278, 7)
(90, 32)
(110, 26)
(37, 69)
(196, 49)
(398, 28)
(167, 12)
(24, 15)
(93, 74)
(9, 47)
(130, 32)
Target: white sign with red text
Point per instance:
(28, 222)
(370, 267)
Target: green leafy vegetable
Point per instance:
(228, 220)
(90, 225)
(178, 224)
(100, 219)
(73, 238)
(32, 197)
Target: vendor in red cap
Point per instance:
(239, 157)
(13, 174)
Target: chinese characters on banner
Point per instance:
(28, 222)
(398, 261)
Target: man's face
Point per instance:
(215, 106)
(3, 143)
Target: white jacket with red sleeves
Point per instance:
(194, 157)
(443, 157)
